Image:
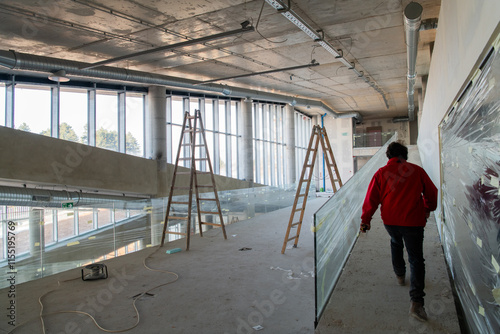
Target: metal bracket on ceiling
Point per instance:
(322, 37)
(341, 53)
(286, 8)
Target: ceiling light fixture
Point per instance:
(245, 27)
(318, 36)
(313, 63)
(59, 76)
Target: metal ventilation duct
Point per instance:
(22, 61)
(54, 198)
(412, 21)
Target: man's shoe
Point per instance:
(401, 280)
(417, 311)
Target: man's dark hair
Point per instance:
(397, 150)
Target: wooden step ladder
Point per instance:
(193, 131)
(318, 136)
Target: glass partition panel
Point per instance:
(47, 243)
(337, 225)
(470, 195)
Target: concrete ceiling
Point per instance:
(369, 33)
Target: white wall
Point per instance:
(402, 128)
(464, 28)
(339, 132)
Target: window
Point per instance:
(85, 220)
(104, 217)
(65, 224)
(107, 120)
(2, 104)
(32, 109)
(135, 125)
(73, 115)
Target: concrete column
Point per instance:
(157, 125)
(36, 238)
(246, 142)
(290, 145)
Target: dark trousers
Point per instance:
(413, 238)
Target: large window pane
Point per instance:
(135, 125)
(73, 115)
(107, 120)
(209, 116)
(2, 104)
(222, 155)
(32, 110)
(177, 112)
(104, 217)
(85, 220)
(222, 116)
(65, 224)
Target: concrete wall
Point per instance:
(464, 28)
(339, 131)
(29, 157)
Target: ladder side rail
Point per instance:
(193, 170)
(304, 203)
(299, 187)
(328, 160)
(195, 174)
(332, 158)
(170, 195)
(209, 162)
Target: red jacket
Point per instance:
(405, 191)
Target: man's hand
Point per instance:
(364, 227)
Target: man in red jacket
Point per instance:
(407, 196)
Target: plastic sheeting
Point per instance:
(336, 225)
(46, 241)
(470, 167)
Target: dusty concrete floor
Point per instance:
(367, 298)
(221, 289)
(224, 290)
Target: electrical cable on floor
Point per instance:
(89, 315)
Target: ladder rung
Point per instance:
(178, 233)
(177, 218)
(295, 224)
(301, 195)
(210, 212)
(299, 209)
(191, 117)
(199, 159)
(189, 144)
(186, 158)
(199, 145)
(295, 237)
(186, 203)
(206, 199)
(213, 224)
(205, 186)
(183, 173)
